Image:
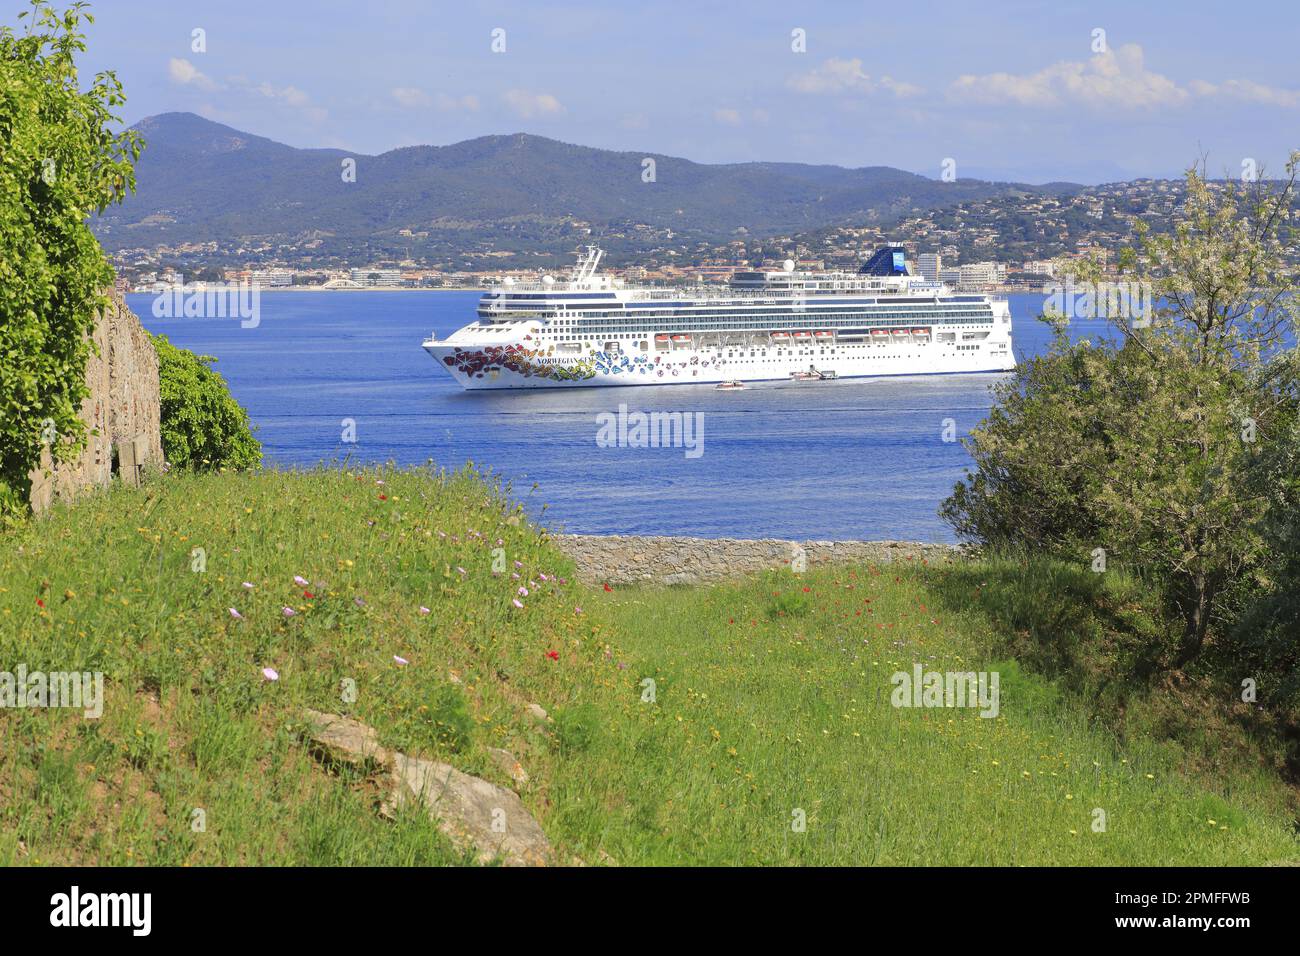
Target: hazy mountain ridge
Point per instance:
(199, 181)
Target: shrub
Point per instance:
(203, 427)
(59, 160)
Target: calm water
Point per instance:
(850, 459)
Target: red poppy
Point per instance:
(40, 603)
(607, 587)
(553, 655)
(383, 497)
(308, 594)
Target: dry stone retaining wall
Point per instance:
(625, 559)
(122, 410)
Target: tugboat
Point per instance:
(730, 385)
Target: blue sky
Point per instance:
(1024, 91)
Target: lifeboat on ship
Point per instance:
(781, 337)
(921, 335)
(661, 339)
(879, 335)
(900, 333)
(803, 336)
(681, 340)
(823, 336)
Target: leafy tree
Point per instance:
(59, 163)
(203, 427)
(1158, 444)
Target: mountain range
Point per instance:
(200, 181)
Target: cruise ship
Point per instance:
(781, 325)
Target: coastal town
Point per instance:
(1005, 244)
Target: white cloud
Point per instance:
(289, 95)
(450, 103)
(847, 76)
(1247, 91)
(409, 97)
(1117, 78)
(527, 104)
(186, 73)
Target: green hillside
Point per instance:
(770, 701)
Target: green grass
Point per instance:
(770, 697)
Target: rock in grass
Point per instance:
(471, 812)
(346, 741)
(538, 713)
(507, 762)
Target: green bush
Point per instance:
(203, 427)
(59, 161)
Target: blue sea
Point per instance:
(854, 459)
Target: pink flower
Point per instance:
(523, 592)
(358, 602)
(288, 611)
(247, 585)
(235, 614)
(400, 660)
(577, 609)
(270, 673)
(516, 602)
(423, 609)
(519, 564)
(459, 569)
(299, 580)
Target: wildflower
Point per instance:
(553, 655)
(383, 497)
(299, 580)
(358, 602)
(459, 569)
(270, 673)
(248, 586)
(235, 614)
(523, 592)
(519, 564)
(401, 660)
(607, 587)
(423, 610)
(516, 603)
(40, 603)
(308, 595)
(288, 611)
(577, 609)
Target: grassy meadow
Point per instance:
(746, 723)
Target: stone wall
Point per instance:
(122, 411)
(625, 559)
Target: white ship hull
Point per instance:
(765, 326)
(475, 368)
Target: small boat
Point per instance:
(805, 376)
(900, 333)
(780, 336)
(879, 334)
(731, 385)
(802, 336)
(681, 340)
(661, 338)
(827, 376)
(823, 336)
